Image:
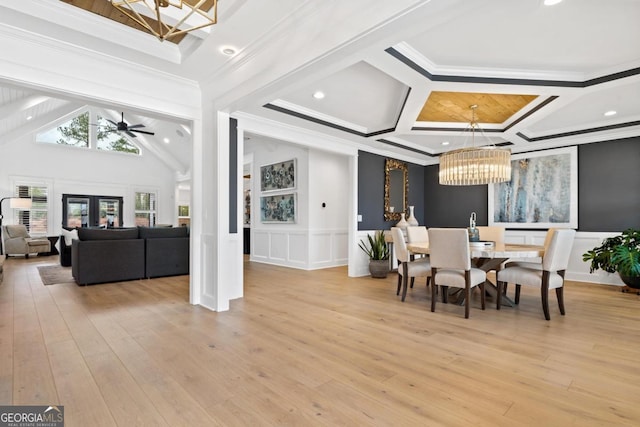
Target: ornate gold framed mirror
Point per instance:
(396, 188)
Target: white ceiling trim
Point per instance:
(101, 31)
(409, 52)
(75, 72)
(320, 116)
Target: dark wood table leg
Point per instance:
(488, 264)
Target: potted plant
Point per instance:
(619, 254)
(378, 253)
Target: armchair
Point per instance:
(17, 241)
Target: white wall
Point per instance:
(319, 238)
(328, 226)
(74, 170)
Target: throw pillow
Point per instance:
(69, 236)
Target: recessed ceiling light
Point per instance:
(551, 2)
(29, 117)
(610, 113)
(318, 94)
(445, 143)
(227, 50)
(166, 140)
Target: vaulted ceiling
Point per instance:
(541, 76)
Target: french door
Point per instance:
(91, 211)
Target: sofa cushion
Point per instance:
(155, 233)
(69, 235)
(107, 234)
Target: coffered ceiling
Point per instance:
(399, 85)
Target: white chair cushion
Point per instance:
(525, 264)
(417, 268)
(455, 278)
(528, 277)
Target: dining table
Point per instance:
(489, 256)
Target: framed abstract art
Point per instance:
(279, 208)
(542, 193)
(278, 176)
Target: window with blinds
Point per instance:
(145, 209)
(35, 219)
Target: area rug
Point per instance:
(55, 274)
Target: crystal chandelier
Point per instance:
(169, 18)
(475, 165)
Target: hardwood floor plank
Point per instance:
(315, 348)
(84, 404)
(6, 339)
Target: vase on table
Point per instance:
(412, 221)
(402, 224)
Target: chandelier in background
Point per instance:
(475, 165)
(169, 18)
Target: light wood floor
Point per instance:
(314, 348)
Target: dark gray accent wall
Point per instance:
(371, 191)
(233, 176)
(608, 191)
(451, 206)
(609, 185)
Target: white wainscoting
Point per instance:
(306, 250)
(578, 270)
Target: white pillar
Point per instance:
(216, 274)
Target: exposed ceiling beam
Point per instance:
(20, 105)
(38, 122)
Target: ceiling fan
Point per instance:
(122, 126)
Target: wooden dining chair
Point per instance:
(451, 265)
(408, 268)
(550, 276)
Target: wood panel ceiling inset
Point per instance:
(105, 8)
(455, 107)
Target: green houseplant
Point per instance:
(619, 254)
(378, 253)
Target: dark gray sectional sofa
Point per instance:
(113, 255)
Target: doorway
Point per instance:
(80, 211)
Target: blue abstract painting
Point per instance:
(542, 191)
(280, 208)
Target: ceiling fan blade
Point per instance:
(112, 122)
(139, 125)
(130, 134)
(141, 131)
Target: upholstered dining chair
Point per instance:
(550, 276)
(491, 233)
(451, 265)
(534, 264)
(418, 234)
(407, 268)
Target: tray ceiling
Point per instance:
(398, 77)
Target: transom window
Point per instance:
(86, 130)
